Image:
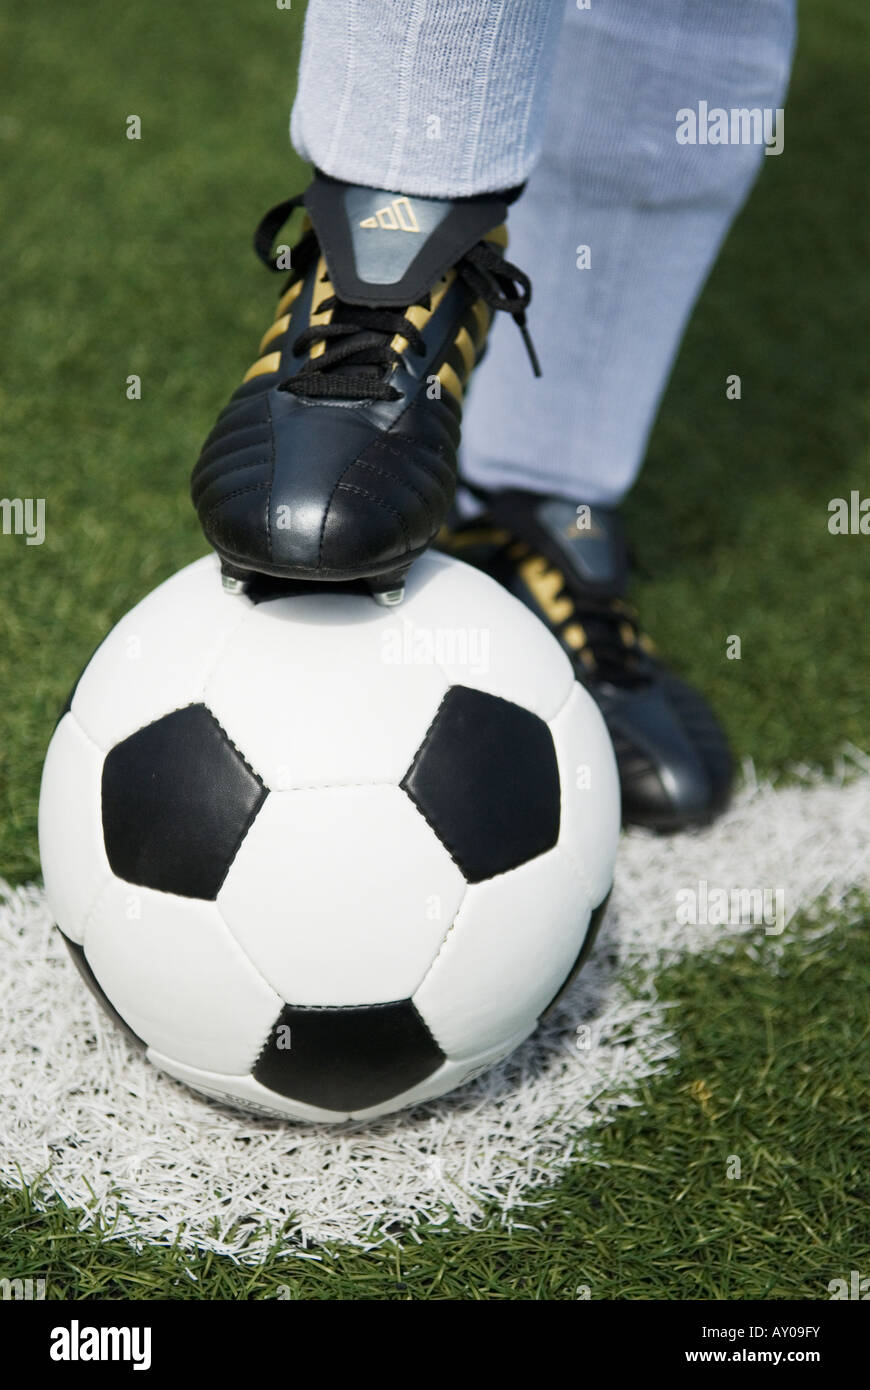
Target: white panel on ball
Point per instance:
(316, 692)
(513, 943)
(248, 1094)
(485, 638)
(243, 1091)
(152, 663)
(175, 974)
(74, 863)
(589, 831)
(341, 895)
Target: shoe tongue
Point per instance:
(389, 248)
(589, 540)
(588, 544)
(586, 541)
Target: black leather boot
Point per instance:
(335, 459)
(569, 564)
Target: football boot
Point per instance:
(336, 458)
(569, 565)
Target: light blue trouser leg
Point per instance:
(439, 97)
(611, 176)
(653, 214)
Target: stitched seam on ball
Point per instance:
(104, 874)
(404, 784)
(439, 834)
(102, 891)
(254, 773)
(332, 787)
(260, 976)
(564, 704)
(445, 938)
(217, 652)
(200, 704)
(84, 733)
(249, 821)
(578, 869)
(245, 828)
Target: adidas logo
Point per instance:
(397, 216)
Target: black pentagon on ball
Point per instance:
(347, 1058)
(178, 799)
(487, 781)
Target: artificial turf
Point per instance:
(774, 1055)
(133, 257)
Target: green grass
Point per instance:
(730, 516)
(134, 257)
(773, 1056)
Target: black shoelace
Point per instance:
(616, 649)
(358, 356)
(619, 660)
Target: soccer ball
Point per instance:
(326, 859)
